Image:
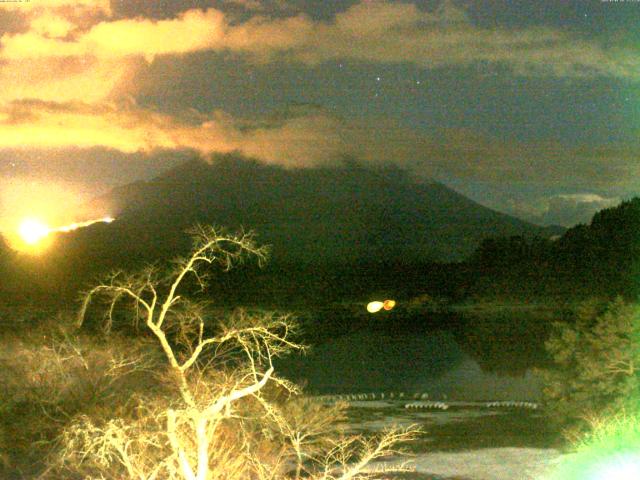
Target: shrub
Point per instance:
(49, 374)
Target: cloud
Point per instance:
(191, 31)
(372, 31)
(301, 137)
(102, 6)
(279, 6)
(65, 51)
(298, 141)
(309, 136)
(52, 26)
(381, 31)
(570, 209)
(567, 209)
(64, 80)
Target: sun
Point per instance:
(32, 231)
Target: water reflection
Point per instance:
(508, 342)
(473, 360)
(373, 361)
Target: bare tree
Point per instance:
(203, 433)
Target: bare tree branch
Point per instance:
(184, 438)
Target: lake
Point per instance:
(465, 365)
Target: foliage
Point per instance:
(602, 258)
(226, 414)
(597, 361)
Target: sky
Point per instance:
(528, 107)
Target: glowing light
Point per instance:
(625, 467)
(610, 451)
(32, 231)
(374, 307)
(75, 226)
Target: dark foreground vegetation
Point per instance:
(146, 384)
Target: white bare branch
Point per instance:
(185, 437)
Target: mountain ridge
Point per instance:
(339, 213)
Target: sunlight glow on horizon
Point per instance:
(33, 231)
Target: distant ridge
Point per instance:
(338, 214)
(601, 258)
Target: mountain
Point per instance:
(334, 231)
(337, 214)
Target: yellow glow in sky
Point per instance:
(32, 231)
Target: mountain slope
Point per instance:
(338, 214)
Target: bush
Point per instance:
(596, 362)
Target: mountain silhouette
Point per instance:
(314, 218)
(332, 214)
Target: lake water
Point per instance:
(471, 440)
(468, 441)
(417, 362)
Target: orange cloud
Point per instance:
(375, 31)
(85, 79)
(52, 26)
(298, 141)
(69, 8)
(312, 137)
(193, 30)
